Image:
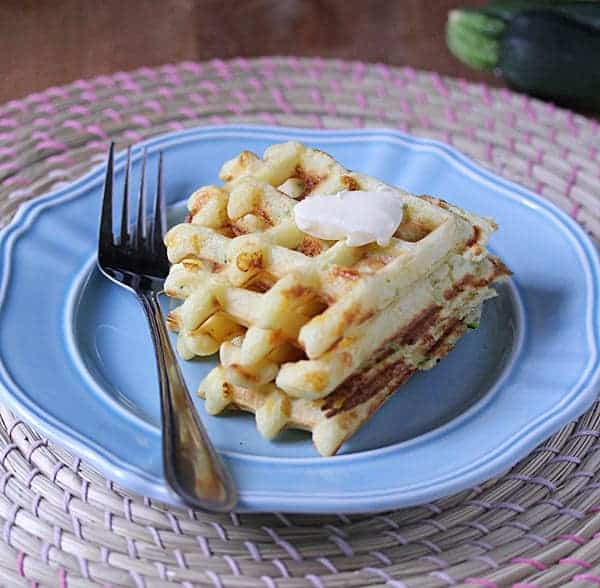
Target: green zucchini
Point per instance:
(474, 38)
(547, 48)
(553, 57)
(584, 12)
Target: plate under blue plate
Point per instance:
(76, 358)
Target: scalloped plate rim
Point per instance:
(150, 484)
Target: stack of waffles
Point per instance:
(315, 334)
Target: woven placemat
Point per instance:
(65, 525)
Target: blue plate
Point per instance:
(76, 358)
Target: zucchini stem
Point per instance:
(473, 38)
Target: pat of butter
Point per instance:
(359, 216)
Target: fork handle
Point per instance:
(192, 467)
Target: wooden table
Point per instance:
(45, 43)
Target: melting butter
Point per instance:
(358, 216)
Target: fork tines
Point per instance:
(144, 231)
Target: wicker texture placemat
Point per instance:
(64, 525)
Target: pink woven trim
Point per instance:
(220, 529)
(169, 68)
(88, 96)
(268, 581)
(236, 109)
(285, 545)
(315, 581)
(7, 449)
(493, 505)
(587, 578)
(214, 578)
(476, 525)
(551, 486)
(174, 523)
(141, 120)
(210, 86)
(197, 98)
(343, 545)
(268, 118)
(481, 582)
(361, 100)
(382, 557)
(438, 561)
(358, 71)
(328, 564)
(120, 99)
(51, 144)
(570, 537)
(385, 576)
(133, 136)
(430, 544)
(384, 71)
(105, 81)
(97, 130)
(138, 580)
(253, 550)
(16, 180)
(443, 576)
(221, 68)
(233, 565)
(9, 122)
(204, 545)
(35, 504)
(153, 105)
(242, 63)
(62, 578)
(21, 563)
(438, 84)
(435, 524)
(256, 84)
(281, 567)
(492, 563)
(537, 564)
(16, 105)
(397, 536)
(73, 124)
(576, 561)
(179, 558)
(83, 84)
(335, 85)
(8, 166)
(280, 101)
(79, 109)
(42, 135)
(156, 536)
(46, 108)
(389, 521)
(538, 539)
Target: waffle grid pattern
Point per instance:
(340, 304)
(64, 525)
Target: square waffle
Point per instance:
(315, 334)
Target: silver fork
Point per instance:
(137, 260)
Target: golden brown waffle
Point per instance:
(296, 319)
